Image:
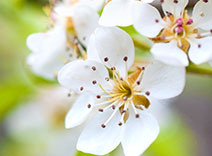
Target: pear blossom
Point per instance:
(178, 37)
(120, 99)
(64, 42)
(119, 12)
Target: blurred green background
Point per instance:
(31, 123)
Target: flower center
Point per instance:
(181, 30)
(122, 94)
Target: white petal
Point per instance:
(174, 7)
(64, 10)
(163, 81)
(79, 76)
(92, 53)
(139, 133)
(95, 4)
(79, 111)
(200, 50)
(97, 140)
(49, 52)
(170, 54)
(147, 20)
(48, 41)
(202, 15)
(148, 1)
(85, 21)
(117, 13)
(114, 44)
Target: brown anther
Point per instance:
(137, 115)
(98, 96)
(125, 58)
(206, 1)
(120, 123)
(100, 110)
(156, 21)
(143, 68)
(124, 111)
(113, 68)
(138, 82)
(113, 107)
(107, 79)
(94, 82)
(176, 1)
(199, 45)
(93, 68)
(89, 105)
(81, 88)
(106, 59)
(69, 94)
(103, 126)
(147, 93)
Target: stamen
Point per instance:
(89, 105)
(136, 113)
(112, 115)
(189, 22)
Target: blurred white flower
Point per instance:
(40, 123)
(119, 12)
(122, 99)
(64, 42)
(177, 36)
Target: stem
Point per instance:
(199, 70)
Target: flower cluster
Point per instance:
(95, 59)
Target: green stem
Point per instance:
(199, 70)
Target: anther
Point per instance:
(113, 107)
(211, 31)
(125, 58)
(189, 22)
(106, 59)
(103, 126)
(143, 68)
(120, 123)
(138, 82)
(147, 93)
(156, 21)
(89, 105)
(199, 45)
(176, 1)
(179, 21)
(161, 1)
(179, 29)
(113, 68)
(69, 94)
(81, 88)
(93, 68)
(137, 115)
(124, 111)
(107, 79)
(98, 96)
(206, 1)
(94, 82)
(100, 110)
(125, 98)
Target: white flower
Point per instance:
(61, 44)
(121, 98)
(177, 36)
(119, 12)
